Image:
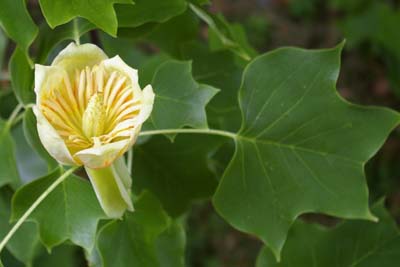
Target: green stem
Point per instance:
(194, 131)
(34, 206)
(28, 106)
(18, 119)
(13, 116)
(225, 39)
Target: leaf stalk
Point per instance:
(193, 131)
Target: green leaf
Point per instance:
(137, 32)
(32, 137)
(179, 102)
(170, 246)
(25, 242)
(170, 36)
(8, 166)
(3, 46)
(7, 259)
(49, 38)
(21, 77)
(301, 148)
(99, 12)
(70, 212)
(125, 48)
(30, 165)
(147, 70)
(145, 11)
(17, 23)
(177, 173)
(8, 101)
(62, 256)
(134, 236)
(220, 70)
(352, 243)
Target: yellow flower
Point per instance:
(89, 111)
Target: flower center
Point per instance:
(93, 120)
(91, 107)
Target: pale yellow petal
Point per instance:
(51, 140)
(147, 105)
(46, 77)
(102, 156)
(79, 56)
(117, 64)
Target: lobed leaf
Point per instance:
(17, 23)
(217, 69)
(70, 212)
(177, 173)
(62, 256)
(170, 36)
(179, 101)
(136, 237)
(301, 147)
(99, 12)
(352, 243)
(145, 11)
(25, 242)
(170, 246)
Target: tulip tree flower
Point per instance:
(89, 110)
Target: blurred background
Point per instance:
(370, 74)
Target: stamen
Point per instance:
(114, 91)
(122, 97)
(81, 91)
(110, 82)
(92, 108)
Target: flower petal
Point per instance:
(102, 156)
(45, 78)
(112, 187)
(51, 140)
(147, 105)
(116, 63)
(79, 56)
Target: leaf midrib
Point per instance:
(294, 147)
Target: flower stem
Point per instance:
(13, 116)
(193, 131)
(34, 206)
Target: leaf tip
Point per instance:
(370, 217)
(338, 49)
(276, 250)
(277, 254)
